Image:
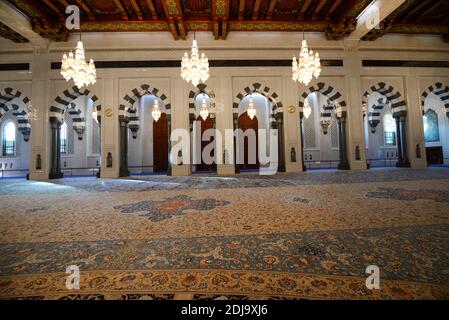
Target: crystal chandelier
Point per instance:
(156, 112)
(75, 67)
(251, 111)
(204, 112)
(307, 109)
(307, 66)
(195, 69)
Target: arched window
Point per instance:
(389, 130)
(9, 139)
(431, 129)
(64, 138)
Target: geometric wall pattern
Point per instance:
(17, 111)
(393, 96)
(63, 104)
(129, 113)
(439, 90)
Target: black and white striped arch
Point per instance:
(19, 111)
(439, 90)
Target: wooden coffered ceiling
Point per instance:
(335, 18)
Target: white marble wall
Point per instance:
(43, 85)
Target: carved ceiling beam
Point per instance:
(49, 4)
(376, 33)
(271, 9)
(303, 9)
(220, 12)
(10, 34)
(136, 9)
(152, 9)
(409, 17)
(332, 9)
(241, 9)
(428, 10)
(16, 21)
(256, 9)
(86, 9)
(121, 9)
(173, 11)
(317, 10)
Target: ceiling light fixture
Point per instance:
(204, 111)
(195, 69)
(251, 111)
(75, 67)
(156, 111)
(307, 66)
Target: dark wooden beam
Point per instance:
(174, 14)
(256, 9)
(86, 9)
(55, 9)
(152, 9)
(332, 9)
(318, 8)
(121, 9)
(428, 10)
(409, 17)
(241, 9)
(136, 9)
(303, 9)
(271, 9)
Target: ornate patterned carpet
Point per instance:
(289, 236)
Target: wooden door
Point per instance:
(245, 123)
(160, 144)
(205, 125)
(434, 155)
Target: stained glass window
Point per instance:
(431, 129)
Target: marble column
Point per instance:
(344, 164)
(401, 132)
(124, 172)
(55, 168)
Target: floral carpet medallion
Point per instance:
(410, 195)
(170, 207)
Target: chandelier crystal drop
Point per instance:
(75, 67)
(251, 111)
(156, 112)
(307, 66)
(195, 69)
(204, 112)
(307, 109)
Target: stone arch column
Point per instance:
(399, 109)
(276, 118)
(129, 118)
(61, 105)
(340, 109)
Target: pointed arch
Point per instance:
(202, 88)
(439, 90)
(270, 94)
(127, 111)
(334, 96)
(64, 103)
(20, 112)
(394, 98)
